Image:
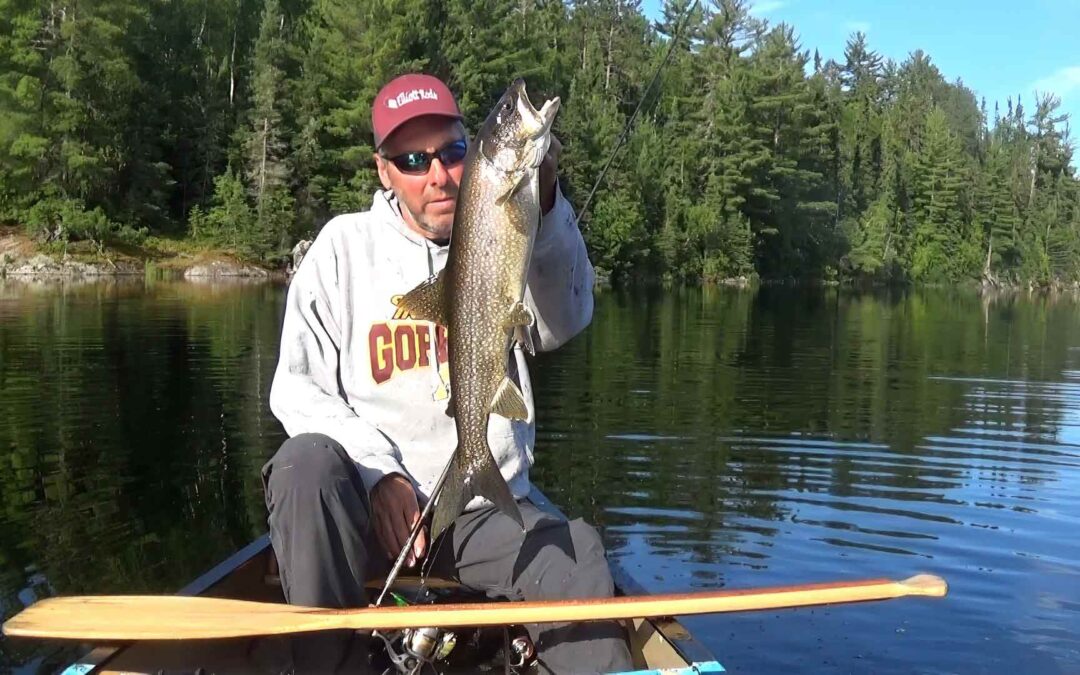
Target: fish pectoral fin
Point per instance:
(519, 315)
(509, 401)
(427, 302)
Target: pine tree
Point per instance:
(352, 50)
(860, 128)
(23, 136)
(791, 120)
(678, 100)
(941, 250)
(996, 214)
(1050, 237)
(720, 231)
(485, 45)
(265, 145)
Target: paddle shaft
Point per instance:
(123, 618)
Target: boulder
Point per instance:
(224, 268)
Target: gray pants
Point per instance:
(319, 527)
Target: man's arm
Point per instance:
(306, 395)
(560, 284)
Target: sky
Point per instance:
(997, 48)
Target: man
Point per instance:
(361, 388)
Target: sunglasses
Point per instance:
(418, 161)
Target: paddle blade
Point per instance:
(926, 584)
(120, 617)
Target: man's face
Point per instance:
(428, 199)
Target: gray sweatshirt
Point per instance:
(354, 367)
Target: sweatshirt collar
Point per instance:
(386, 207)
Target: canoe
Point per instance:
(656, 644)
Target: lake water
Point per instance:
(719, 438)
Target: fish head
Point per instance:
(515, 136)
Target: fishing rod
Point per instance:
(413, 534)
(626, 130)
(409, 661)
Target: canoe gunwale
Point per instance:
(95, 658)
(222, 570)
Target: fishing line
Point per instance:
(630, 122)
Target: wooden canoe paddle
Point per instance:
(123, 618)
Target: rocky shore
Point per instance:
(21, 258)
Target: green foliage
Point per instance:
(229, 221)
(247, 125)
(869, 238)
(619, 241)
(56, 219)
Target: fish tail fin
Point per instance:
(460, 488)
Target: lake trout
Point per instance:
(478, 295)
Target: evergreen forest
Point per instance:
(244, 125)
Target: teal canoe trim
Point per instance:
(702, 668)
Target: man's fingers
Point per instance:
(420, 545)
(401, 528)
(386, 536)
(554, 149)
(396, 511)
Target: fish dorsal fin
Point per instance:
(509, 401)
(427, 302)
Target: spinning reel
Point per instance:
(408, 651)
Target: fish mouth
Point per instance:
(537, 121)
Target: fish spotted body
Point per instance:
(478, 295)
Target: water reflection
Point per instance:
(134, 421)
(808, 436)
(719, 438)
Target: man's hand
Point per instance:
(395, 510)
(549, 175)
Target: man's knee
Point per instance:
(591, 569)
(307, 461)
(587, 542)
(570, 562)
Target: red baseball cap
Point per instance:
(407, 97)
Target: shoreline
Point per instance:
(21, 258)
